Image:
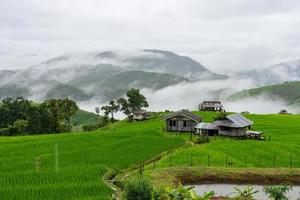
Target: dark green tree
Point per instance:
(136, 100)
(111, 108)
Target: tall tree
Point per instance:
(136, 100)
(67, 108)
(111, 108)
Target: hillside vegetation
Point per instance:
(288, 91)
(71, 166)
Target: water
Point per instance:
(228, 190)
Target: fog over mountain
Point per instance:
(102, 75)
(278, 73)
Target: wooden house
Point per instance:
(207, 129)
(211, 106)
(235, 125)
(138, 115)
(182, 121)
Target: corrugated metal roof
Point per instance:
(184, 113)
(236, 121)
(208, 126)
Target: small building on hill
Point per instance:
(235, 125)
(211, 106)
(284, 112)
(138, 115)
(182, 121)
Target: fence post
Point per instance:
(226, 161)
(170, 164)
(208, 160)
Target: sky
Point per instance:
(223, 35)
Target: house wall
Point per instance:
(233, 132)
(138, 116)
(179, 124)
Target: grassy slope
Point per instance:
(83, 118)
(284, 145)
(289, 91)
(82, 160)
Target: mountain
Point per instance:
(289, 92)
(102, 75)
(278, 73)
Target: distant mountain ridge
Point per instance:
(279, 73)
(288, 92)
(101, 75)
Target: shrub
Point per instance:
(138, 189)
(201, 140)
(247, 193)
(277, 192)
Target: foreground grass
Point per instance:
(71, 166)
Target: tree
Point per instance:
(67, 108)
(53, 107)
(220, 116)
(97, 110)
(136, 100)
(111, 108)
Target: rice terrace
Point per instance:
(150, 100)
(32, 169)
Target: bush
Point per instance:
(138, 189)
(277, 192)
(201, 140)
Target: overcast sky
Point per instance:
(221, 34)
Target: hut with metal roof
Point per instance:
(182, 121)
(207, 129)
(235, 125)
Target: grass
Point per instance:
(281, 151)
(83, 158)
(197, 174)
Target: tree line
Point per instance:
(21, 116)
(132, 101)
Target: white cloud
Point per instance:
(221, 34)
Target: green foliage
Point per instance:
(277, 192)
(180, 193)
(239, 153)
(221, 116)
(20, 116)
(136, 100)
(82, 160)
(247, 193)
(201, 140)
(111, 108)
(138, 189)
(288, 91)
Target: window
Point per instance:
(184, 123)
(172, 123)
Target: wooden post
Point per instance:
(208, 160)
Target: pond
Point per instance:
(229, 191)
